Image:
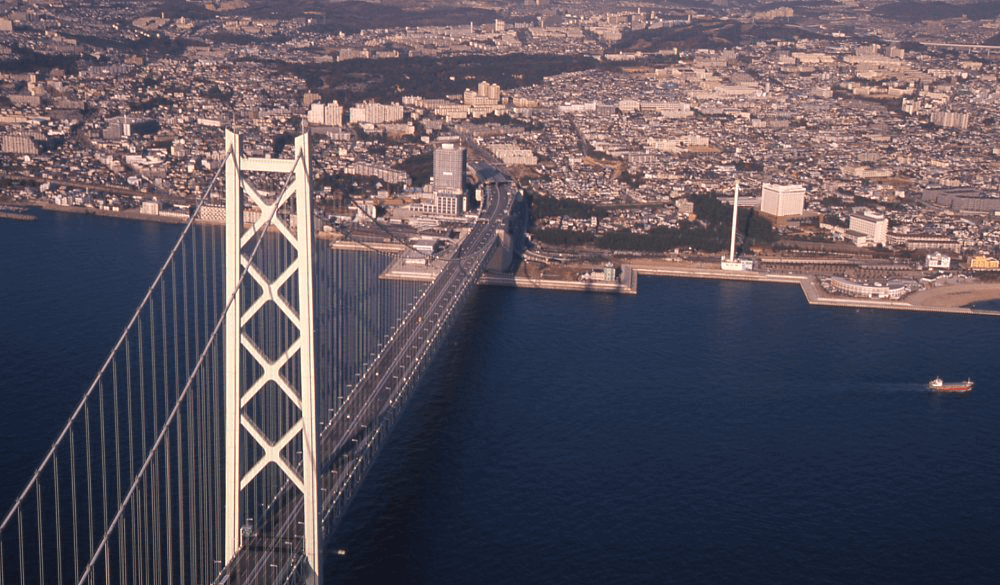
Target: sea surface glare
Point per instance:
(700, 432)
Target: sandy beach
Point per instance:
(956, 295)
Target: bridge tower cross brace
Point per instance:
(239, 425)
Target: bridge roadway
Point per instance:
(272, 553)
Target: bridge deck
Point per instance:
(350, 438)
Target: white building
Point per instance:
(449, 167)
(449, 204)
(375, 113)
(331, 114)
(512, 154)
(150, 208)
(441, 204)
(939, 261)
(628, 105)
(874, 225)
(491, 90)
(782, 200)
(871, 291)
(389, 175)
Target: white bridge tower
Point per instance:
(288, 372)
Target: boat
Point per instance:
(939, 385)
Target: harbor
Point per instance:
(933, 296)
(949, 299)
(930, 300)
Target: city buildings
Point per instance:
(331, 114)
(938, 261)
(449, 167)
(638, 142)
(870, 291)
(874, 226)
(376, 113)
(782, 200)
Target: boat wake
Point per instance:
(887, 387)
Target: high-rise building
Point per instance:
(489, 90)
(375, 113)
(449, 167)
(331, 114)
(874, 225)
(958, 120)
(782, 200)
(485, 94)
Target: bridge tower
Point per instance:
(282, 371)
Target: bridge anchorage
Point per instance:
(234, 419)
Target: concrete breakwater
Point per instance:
(628, 284)
(814, 293)
(17, 216)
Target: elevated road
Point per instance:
(353, 434)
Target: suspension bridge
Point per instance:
(236, 415)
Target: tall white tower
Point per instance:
(287, 373)
(736, 207)
(731, 263)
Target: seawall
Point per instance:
(814, 294)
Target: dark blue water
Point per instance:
(701, 432)
(986, 305)
(68, 285)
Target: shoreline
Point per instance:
(510, 280)
(809, 285)
(130, 214)
(17, 216)
(815, 295)
(949, 299)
